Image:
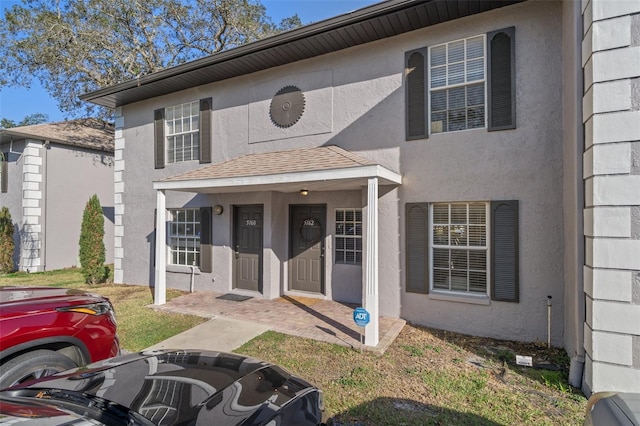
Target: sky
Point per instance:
(17, 103)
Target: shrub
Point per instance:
(7, 245)
(92, 251)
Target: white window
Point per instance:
(182, 132)
(184, 237)
(457, 85)
(348, 236)
(459, 247)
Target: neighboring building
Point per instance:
(422, 158)
(48, 174)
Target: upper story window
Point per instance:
(462, 84)
(183, 133)
(457, 71)
(182, 124)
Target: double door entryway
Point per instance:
(306, 247)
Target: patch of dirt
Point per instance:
(441, 349)
(543, 357)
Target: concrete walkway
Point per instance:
(217, 334)
(236, 320)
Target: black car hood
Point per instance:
(173, 387)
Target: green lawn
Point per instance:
(138, 326)
(426, 377)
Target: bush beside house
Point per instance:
(7, 246)
(92, 250)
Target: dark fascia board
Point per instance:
(164, 82)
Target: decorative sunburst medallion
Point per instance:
(287, 107)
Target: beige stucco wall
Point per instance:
(523, 164)
(49, 186)
(72, 176)
(355, 99)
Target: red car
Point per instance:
(46, 330)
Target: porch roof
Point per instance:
(315, 169)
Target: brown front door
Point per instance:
(306, 242)
(247, 240)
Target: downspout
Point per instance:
(192, 284)
(43, 213)
(577, 359)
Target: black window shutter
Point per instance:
(158, 117)
(416, 94)
(4, 169)
(206, 249)
(417, 252)
(205, 130)
(504, 251)
(501, 81)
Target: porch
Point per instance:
(273, 182)
(322, 320)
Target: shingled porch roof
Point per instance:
(315, 169)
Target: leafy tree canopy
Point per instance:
(76, 46)
(37, 118)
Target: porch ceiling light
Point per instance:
(304, 192)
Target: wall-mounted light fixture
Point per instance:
(218, 209)
(304, 192)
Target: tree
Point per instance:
(7, 246)
(29, 120)
(5, 123)
(92, 251)
(76, 46)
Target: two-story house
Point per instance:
(423, 158)
(48, 172)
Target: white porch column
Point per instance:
(371, 284)
(160, 282)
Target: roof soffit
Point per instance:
(381, 20)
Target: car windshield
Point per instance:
(61, 406)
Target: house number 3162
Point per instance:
(309, 222)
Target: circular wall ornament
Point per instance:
(287, 106)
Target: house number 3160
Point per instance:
(251, 222)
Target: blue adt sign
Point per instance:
(361, 317)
